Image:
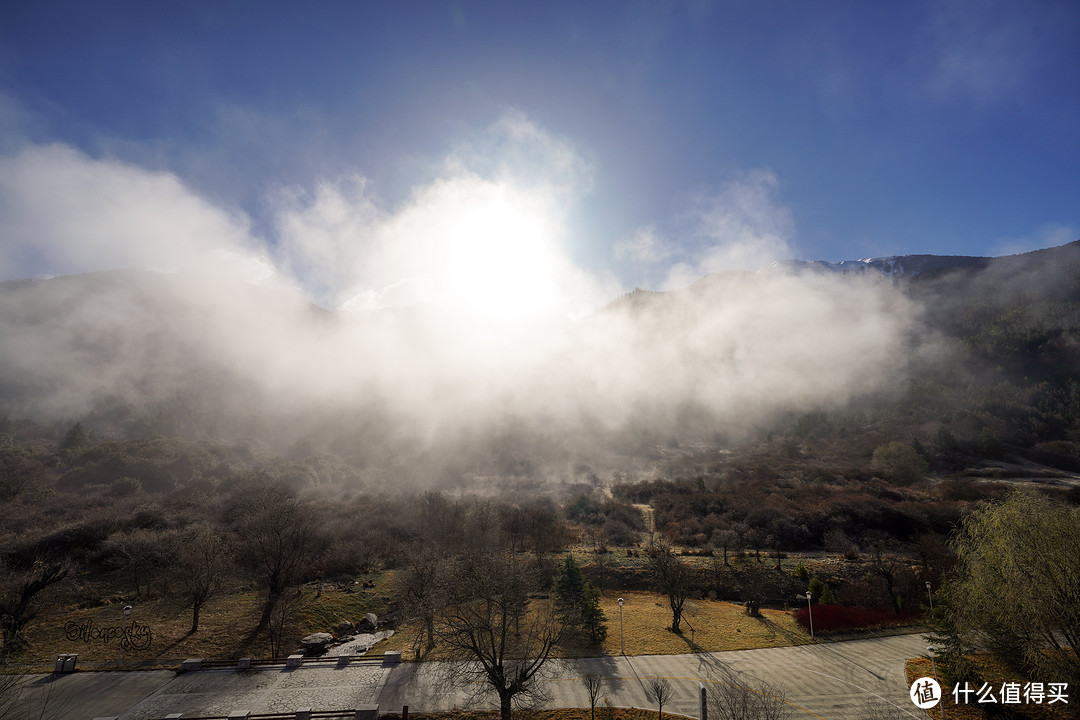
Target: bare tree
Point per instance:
(421, 585)
(726, 540)
(281, 541)
(142, 553)
(672, 577)
(754, 539)
(482, 527)
(202, 566)
(514, 526)
(837, 541)
(594, 683)
(20, 593)
(734, 696)
(545, 529)
(882, 710)
(886, 563)
(601, 567)
(499, 638)
(776, 544)
(659, 690)
(282, 616)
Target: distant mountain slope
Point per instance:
(909, 266)
(982, 347)
(928, 266)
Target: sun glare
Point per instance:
(503, 260)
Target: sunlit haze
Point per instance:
(560, 149)
(423, 218)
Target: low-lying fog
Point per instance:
(459, 322)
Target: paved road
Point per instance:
(831, 680)
(87, 695)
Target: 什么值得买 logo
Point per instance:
(925, 693)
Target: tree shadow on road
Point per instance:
(606, 667)
(777, 629)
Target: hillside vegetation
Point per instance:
(854, 501)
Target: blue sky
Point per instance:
(652, 141)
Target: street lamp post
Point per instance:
(810, 611)
(933, 665)
(120, 652)
(930, 595)
(622, 645)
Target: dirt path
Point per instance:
(649, 516)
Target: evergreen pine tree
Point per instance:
(579, 602)
(75, 438)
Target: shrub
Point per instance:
(845, 617)
(801, 572)
(900, 463)
(816, 587)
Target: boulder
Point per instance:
(343, 628)
(368, 624)
(315, 643)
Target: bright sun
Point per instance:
(502, 259)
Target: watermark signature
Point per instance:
(926, 693)
(1013, 693)
(132, 636)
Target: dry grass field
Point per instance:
(707, 626)
(225, 629)
(646, 621)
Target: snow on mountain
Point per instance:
(893, 266)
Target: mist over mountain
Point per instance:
(434, 395)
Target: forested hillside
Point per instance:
(177, 447)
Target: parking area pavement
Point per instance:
(264, 690)
(91, 694)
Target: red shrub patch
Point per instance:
(845, 617)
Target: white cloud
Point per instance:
(516, 149)
(492, 337)
(645, 246)
(464, 241)
(62, 212)
(485, 236)
(325, 238)
(741, 227)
